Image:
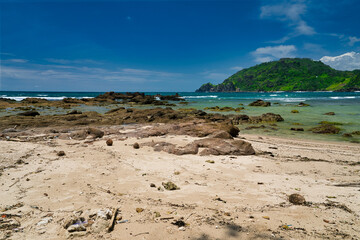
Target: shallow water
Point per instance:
(346, 106)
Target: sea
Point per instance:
(345, 105)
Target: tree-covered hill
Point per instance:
(288, 74)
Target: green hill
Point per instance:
(288, 74)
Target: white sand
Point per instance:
(94, 176)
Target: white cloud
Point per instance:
(74, 61)
(237, 68)
(347, 61)
(292, 13)
(266, 54)
(353, 40)
(16, 60)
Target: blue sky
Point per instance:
(165, 45)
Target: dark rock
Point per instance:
(297, 129)
(329, 113)
(326, 129)
(29, 113)
(260, 103)
(34, 100)
(301, 104)
(109, 142)
(75, 112)
(136, 145)
(347, 135)
(170, 186)
(355, 133)
(296, 199)
(221, 134)
(96, 133)
(61, 153)
(152, 185)
(294, 111)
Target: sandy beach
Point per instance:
(74, 195)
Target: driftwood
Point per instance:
(112, 221)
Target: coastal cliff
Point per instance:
(288, 74)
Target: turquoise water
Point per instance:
(346, 106)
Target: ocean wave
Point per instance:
(273, 95)
(286, 99)
(47, 98)
(349, 97)
(210, 96)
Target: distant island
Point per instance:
(288, 74)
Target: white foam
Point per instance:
(47, 98)
(286, 99)
(349, 97)
(210, 96)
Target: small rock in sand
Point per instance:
(170, 186)
(109, 142)
(61, 153)
(139, 210)
(296, 199)
(136, 145)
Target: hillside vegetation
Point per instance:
(288, 74)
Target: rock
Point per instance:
(96, 133)
(326, 129)
(347, 135)
(61, 153)
(136, 146)
(9, 130)
(301, 104)
(297, 129)
(210, 161)
(355, 133)
(109, 142)
(29, 113)
(271, 117)
(74, 112)
(329, 113)
(170, 186)
(260, 103)
(79, 135)
(296, 199)
(152, 185)
(231, 129)
(217, 146)
(139, 210)
(294, 111)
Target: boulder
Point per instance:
(326, 129)
(301, 104)
(221, 134)
(260, 103)
(29, 113)
(329, 113)
(297, 129)
(222, 147)
(96, 133)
